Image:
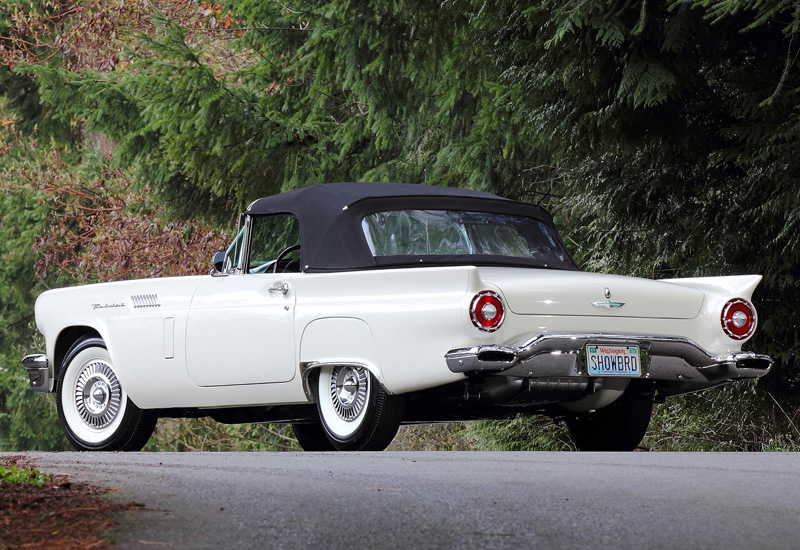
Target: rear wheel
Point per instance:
(95, 412)
(356, 411)
(312, 437)
(617, 427)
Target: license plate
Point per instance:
(603, 360)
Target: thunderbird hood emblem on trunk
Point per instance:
(608, 304)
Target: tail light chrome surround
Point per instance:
(738, 319)
(487, 311)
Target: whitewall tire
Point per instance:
(95, 412)
(356, 412)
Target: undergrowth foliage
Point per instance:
(103, 229)
(205, 434)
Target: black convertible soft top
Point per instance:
(330, 216)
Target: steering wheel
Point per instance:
(283, 253)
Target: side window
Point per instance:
(272, 235)
(416, 233)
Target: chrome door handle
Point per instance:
(283, 289)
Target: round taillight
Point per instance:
(487, 311)
(738, 319)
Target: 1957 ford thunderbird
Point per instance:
(349, 309)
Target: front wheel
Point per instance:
(357, 413)
(95, 412)
(618, 427)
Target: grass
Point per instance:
(15, 475)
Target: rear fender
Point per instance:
(718, 291)
(737, 286)
(337, 341)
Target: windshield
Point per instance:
(449, 232)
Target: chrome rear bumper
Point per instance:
(562, 355)
(38, 367)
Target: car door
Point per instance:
(240, 327)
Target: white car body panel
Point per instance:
(239, 332)
(413, 316)
(229, 341)
(227, 334)
(559, 302)
(340, 340)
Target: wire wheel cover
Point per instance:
(349, 390)
(98, 395)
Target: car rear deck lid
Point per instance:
(542, 292)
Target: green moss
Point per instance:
(14, 475)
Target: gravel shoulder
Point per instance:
(56, 515)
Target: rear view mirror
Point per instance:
(219, 263)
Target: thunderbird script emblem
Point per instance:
(608, 304)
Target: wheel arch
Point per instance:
(337, 341)
(67, 338)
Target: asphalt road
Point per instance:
(449, 500)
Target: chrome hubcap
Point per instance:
(98, 394)
(349, 389)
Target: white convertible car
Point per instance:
(349, 309)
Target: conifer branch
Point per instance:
(790, 62)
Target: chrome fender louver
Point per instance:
(145, 300)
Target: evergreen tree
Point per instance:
(354, 91)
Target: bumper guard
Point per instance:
(38, 367)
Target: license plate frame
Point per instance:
(618, 360)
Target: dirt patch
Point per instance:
(59, 515)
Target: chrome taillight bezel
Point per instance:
(477, 315)
(732, 307)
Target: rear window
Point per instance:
(463, 233)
